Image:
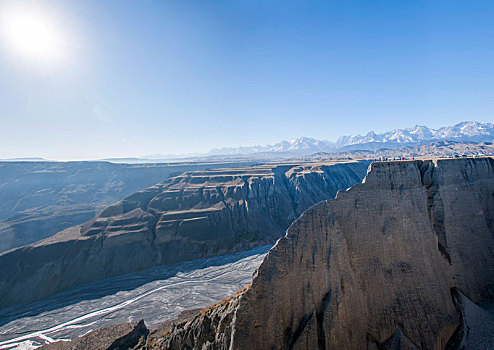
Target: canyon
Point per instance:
(190, 216)
(400, 259)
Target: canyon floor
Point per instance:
(156, 295)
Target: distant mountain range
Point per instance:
(471, 131)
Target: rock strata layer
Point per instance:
(190, 216)
(40, 199)
(375, 268)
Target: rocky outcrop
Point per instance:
(190, 216)
(374, 268)
(118, 337)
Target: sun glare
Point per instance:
(32, 35)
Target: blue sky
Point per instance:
(145, 77)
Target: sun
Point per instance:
(32, 35)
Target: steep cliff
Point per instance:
(374, 268)
(191, 216)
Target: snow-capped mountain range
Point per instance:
(471, 131)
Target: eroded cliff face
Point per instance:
(373, 268)
(39, 199)
(191, 216)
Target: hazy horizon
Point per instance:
(129, 79)
(217, 151)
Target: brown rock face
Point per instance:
(117, 337)
(373, 268)
(191, 216)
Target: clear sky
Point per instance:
(132, 78)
